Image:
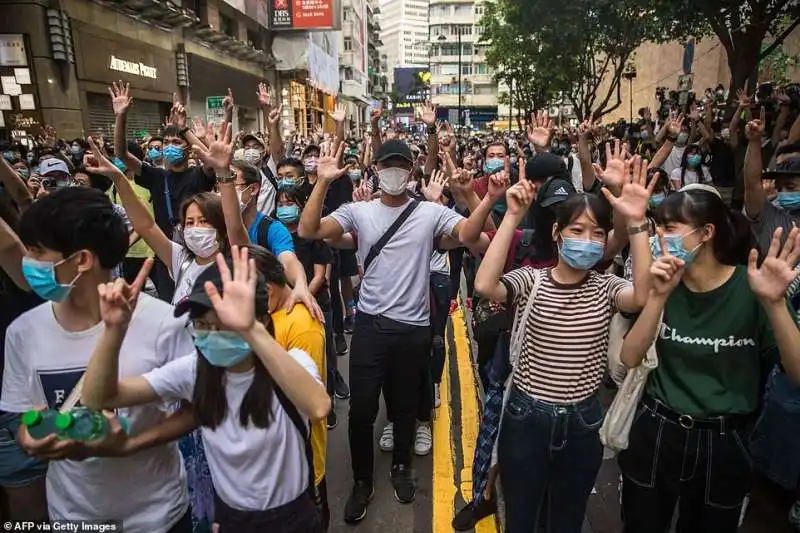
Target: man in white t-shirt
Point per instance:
(392, 335)
(74, 239)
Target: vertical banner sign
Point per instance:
(215, 111)
(302, 14)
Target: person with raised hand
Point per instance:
(251, 399)
(392, 326)
(49, 347)
(548, 440)
(715, 324)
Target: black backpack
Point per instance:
(262, 232)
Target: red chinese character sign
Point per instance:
(303, 14)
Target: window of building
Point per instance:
(348, 44)
(348, 74)
(255, 39)
(478, 30)
(227, 26)
(466, 69)
(347, 13)
(485, 89)
(466, 49)
(449, 69)
(479, 9)
(481, 68)
(449, 49)
(465, 29)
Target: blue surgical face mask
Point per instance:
(24, 172)
(657, 199)
(31, 158)
(174, 155)
(675, 247)
(41, 276)
(117, 162)
(789, 200)
(288, 214)
(694, 160)
(221, 348)
(581, 254)
(285, 184)
(493, 165)
(76, 149)
(354, 175)
(155, 154)
(8, 155)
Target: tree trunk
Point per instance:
(743, 62)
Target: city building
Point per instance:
(353, 66)
(404, 34)
(62, 57)
(461, 82)
(376, 62)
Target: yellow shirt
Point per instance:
(140, 249)
(298, 329)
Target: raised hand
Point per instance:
(694, 113)
(228, 103)
(120, 100)
(118, 299)
(754, 130)
(100, 163)
(263, 94)
(220, 149)
(275, 115)
(781, 97)
(328, 163)
(743, 100)
(771, 280)
(177, 115)
(675, 123)
(339, 113)
(499, 182)
(540, 129)
(519, 198)
(435, 186)
(613, 176)
(666, 270)
(375, 114)
(362, 193)
(199, 128)
(235, 307)
(428, 113)
(318, 134)
(633, 199)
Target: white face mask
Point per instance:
(252, 155)
(202, 242)
(243, 205)
(392, 181)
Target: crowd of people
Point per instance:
(198, 284)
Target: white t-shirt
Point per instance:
(674, 159)
(439, 263)
(576, 174)
(184, 271)
(691, 176)
(253, 469)
(267, 194)
(43, 363)
(397, 284)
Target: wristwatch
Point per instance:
(225, 179)
(641, 228)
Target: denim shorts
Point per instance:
(775, 442)
(17, 468)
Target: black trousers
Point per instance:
(390, 353)
(298, 516)
(164, 284)
(337, 304)
(706, 471)
(131, 267)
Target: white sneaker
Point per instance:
(423, 440)
(437, 397)
(386, 442)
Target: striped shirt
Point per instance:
(563, 356)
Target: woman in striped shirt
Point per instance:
(549, 442)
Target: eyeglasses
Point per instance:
(198, 325)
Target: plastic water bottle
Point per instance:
(40, 424)
(83, 425)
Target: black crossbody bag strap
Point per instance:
(378, 246)
(305, 434)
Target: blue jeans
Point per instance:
(17, 468)
(549, 456)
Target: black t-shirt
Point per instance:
(339, 192)
(311, 253)
(181, 185)
(722, 167)
(13, 302)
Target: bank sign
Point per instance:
(131, 67)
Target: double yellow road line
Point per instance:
(455, 433)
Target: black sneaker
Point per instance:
(341, 390)
(356, 507)
(349, 324)
(469, 516)
(340, 344)
(404, 489)
(332, 419)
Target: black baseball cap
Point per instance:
(788, 168)
(197, 303)
(393, 148)
(542, 166)
(311, 148)
(555, 191)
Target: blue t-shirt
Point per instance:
(278, 237)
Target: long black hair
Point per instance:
(208, 398)
(732, 239)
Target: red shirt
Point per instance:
(512, 253)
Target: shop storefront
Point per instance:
(102, 58)
(209, 79)
(20, 115)
(309, 107)
(475, 116)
